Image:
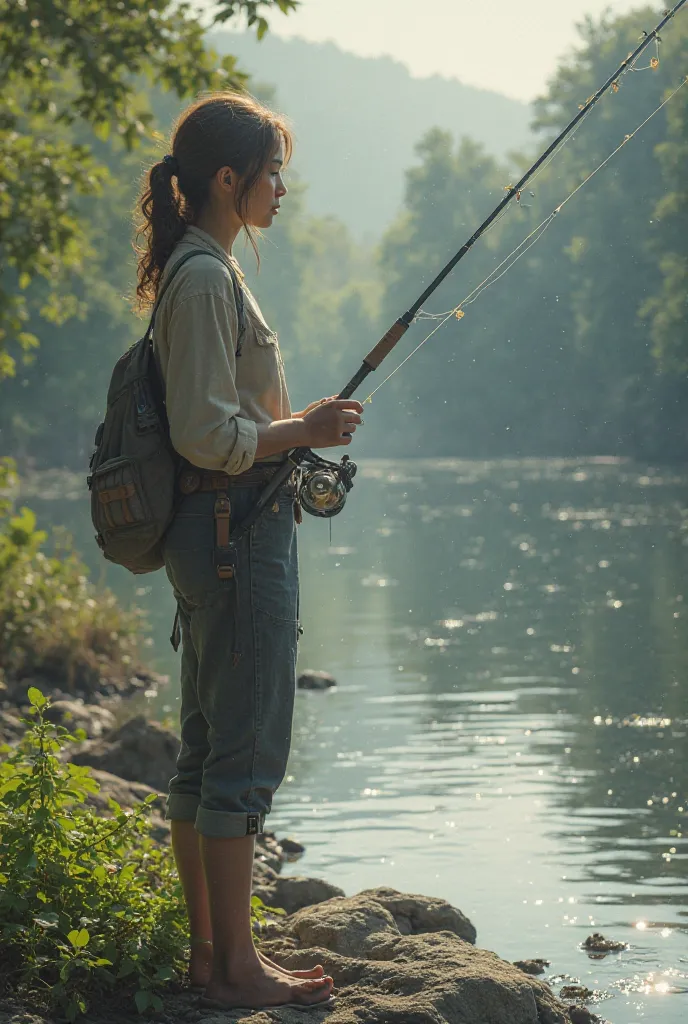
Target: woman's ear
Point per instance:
(225, 177)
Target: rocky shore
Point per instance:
(396, 958)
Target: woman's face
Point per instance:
(264, 200)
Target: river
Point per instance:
(509, 729)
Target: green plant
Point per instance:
(54, 623)
(87, 904)
(82, 62)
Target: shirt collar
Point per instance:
(199, 237)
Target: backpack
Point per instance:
(134, 467)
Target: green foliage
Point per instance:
(667, 310)
(8, 484)
(76, 62)
(54, 624)
(88, 905)
(252, 9)
(562, 355)
(261, 915)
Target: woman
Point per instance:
(230, 419)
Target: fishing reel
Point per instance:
(324, 485)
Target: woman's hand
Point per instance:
(331, 422)
(311, 407)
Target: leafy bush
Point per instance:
(87, 904)
(54, 624)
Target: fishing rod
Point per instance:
(324, 485)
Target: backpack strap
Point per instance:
(154, 372)
(236, 285)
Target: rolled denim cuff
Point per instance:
(228, 824)
(182, 807)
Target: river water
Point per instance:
(509, 729)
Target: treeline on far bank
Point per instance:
(582, 348)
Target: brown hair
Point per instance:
(225, 128)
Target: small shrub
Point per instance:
(88, 905)
(54, 624)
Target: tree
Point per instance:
(70, 62)
(557, 358)
(667, 310)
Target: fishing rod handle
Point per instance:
(386, 344)
(376, 355)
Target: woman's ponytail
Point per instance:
(162, 227)
(223, 129)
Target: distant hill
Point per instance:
(357, 120)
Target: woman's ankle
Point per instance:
(232, 968)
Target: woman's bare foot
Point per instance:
(261, 985)
(201, 965)
(313, 972)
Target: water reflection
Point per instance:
(510, 729)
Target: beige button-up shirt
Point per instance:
(214, 398)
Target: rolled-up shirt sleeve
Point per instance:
(200, 387)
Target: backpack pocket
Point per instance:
(132, 504)
(117, 497)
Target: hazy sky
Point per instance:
(512, 46)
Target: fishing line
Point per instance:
(538, 232)
(545, 223)
(423, 314)
(324, 485)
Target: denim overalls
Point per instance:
(238, 666)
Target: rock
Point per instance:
(292, 849)
(74, 714)
(597, 943)
(87, 681)
(139, 751)
(11, 727)
(292, 893)
(384, 977)
(350, 926)
(575, 992)
(425, 977)
(535, 966)
(269, 850)
(582, 1015)
(419, 914)
(263, 875)
(310, 679)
